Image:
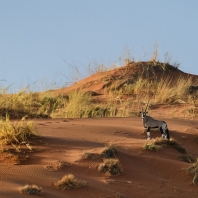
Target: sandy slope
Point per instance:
(146, 173)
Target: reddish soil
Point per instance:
(146, 173)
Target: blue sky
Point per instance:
(45, 43)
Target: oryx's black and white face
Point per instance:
(144, 112)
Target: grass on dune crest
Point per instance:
(29, 104)
(121, 96)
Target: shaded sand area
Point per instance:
(146, 173)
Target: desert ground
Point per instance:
(106, 113)
(146, 173)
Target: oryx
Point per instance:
(149, 122)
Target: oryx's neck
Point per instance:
(145, 118)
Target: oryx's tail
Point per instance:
(167, 133)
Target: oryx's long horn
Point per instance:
(141, 106)
(147, 106)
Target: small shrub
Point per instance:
(59, 165)
(87, 155)
(109, 152)
(111, 167)
(56, 165)
(69, 182)
(193, 170)
(151, 147)
(16, 133)
(31, 189)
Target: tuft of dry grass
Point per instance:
(88, 155)
(168, 92)
(16, 133)
(29, 104)
(161, 142)
(151, 147)
(69, 182)
(56, 165)
(31, 190)
(145, 82)
(111, 167)
(78, 105)
(193, 170)
(171, 142)
(109, 151)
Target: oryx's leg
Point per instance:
(148, 133)
(164, 131)
(145, 129)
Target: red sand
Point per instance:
(146, 173)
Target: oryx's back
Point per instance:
(150, 122)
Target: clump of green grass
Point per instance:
(31, 190)
(193, 170)
(16, 133)
(111, 167)
(109, 151)
(151, 147)
(69, 182)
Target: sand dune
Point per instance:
(146, 173)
